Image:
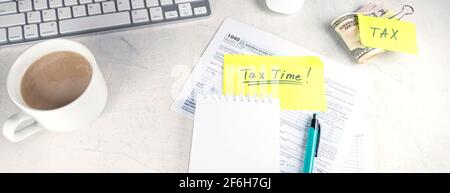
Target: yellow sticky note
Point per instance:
(297, 81)
(388, 34)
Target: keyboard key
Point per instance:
(200, 10)
(185, 9)
(184, 6)
(64, 13)
(123, 5)
(34, 17)
(137, 4)
(109, 7)
(99, 0)
(79, 11)
(14, 19)
(70, 2)
(2, 35)
(97, 22)
(152, 3)
(40, 4)
(49, 15)
(15, 34)
(140, 16)
(55, 3)
(30, 31)
(156, 14)
(48, 29)
(94, 9)
(85, 1)
(7, 8)
(185, 13)
(171, 14)
(25, 5)
(166, 2)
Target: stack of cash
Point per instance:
(346, 27)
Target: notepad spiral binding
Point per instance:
(212, 96)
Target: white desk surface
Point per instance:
(409, 103)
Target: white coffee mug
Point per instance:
(77, 114)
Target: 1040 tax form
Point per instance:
(345, 89)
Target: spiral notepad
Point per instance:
(235, 134)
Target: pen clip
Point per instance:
(318, 141)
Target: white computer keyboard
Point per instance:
(29, 20)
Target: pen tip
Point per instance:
(315, 116)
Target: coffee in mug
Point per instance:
(58, 86)
(55, 80)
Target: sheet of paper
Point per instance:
(388, 34)
(297, 81)
(235, 135)
(343, 88)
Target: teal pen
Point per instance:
(312, 145)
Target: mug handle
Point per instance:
(20, 126)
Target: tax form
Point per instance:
(343, 91)
(358, 155)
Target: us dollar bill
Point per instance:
(346, 28)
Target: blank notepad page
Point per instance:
(235, 135)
